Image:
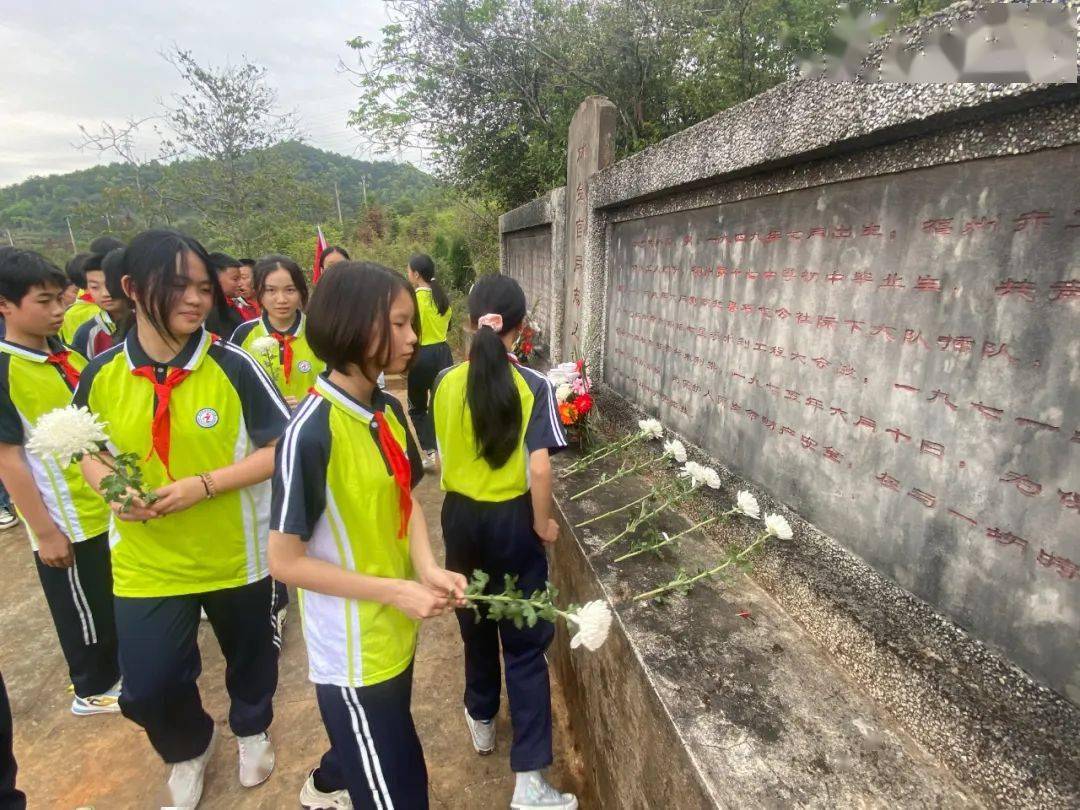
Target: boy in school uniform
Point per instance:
(67, 521)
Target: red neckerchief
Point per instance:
(160, 430)
(285, 342)
(402, 470)
(87, 297)
(60, 360)
(399, 466)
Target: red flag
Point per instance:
(320, 247)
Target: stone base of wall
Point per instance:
(815, 682)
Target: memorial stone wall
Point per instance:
(864, 298)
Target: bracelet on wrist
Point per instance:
(208, 485)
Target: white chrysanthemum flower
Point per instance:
(265, 345)
(66, 433)
(747, 504)
(711, 478)
(593, 622)
(777, 526)
(695, 472)
(676, 450)
(651, 428)
(563, 392)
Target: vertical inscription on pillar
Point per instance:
(588, 151)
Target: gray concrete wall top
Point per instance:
(805, 119)
(536, 212)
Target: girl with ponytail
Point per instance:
(496, 424)
(433, 354)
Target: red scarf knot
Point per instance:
(400, 467)
(160, 430)
(285, 342)
(60, 360)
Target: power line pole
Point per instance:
(363, 184)
(108, 222)
(71, 234)
(9, 239)
(337, 197)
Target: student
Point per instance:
(66, 521)
(247, 300)
(282, 292)
(11, 798)
(201, 417)
(346, 531)
(224, 315)
(331, 256)
(434, 353)
(8, 518)
(106, 328)
(103, 244)
(496, 424)
(83, 308)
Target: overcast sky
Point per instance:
(64, 63)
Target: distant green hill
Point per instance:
(35, 210)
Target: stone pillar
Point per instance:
(590, 148)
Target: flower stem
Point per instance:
(635, 522)
(669, 540)
(618, 475)
(709, 573)
(483, 597)
(603, 452)
(615, 511)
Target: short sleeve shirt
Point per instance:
(225, 410)
(30, 387)
(463, 469)
(333, 487)
(293, 370)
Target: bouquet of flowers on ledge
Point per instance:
(526, 341)
(573, 390)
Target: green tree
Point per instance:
(490, 86)
(240, 188)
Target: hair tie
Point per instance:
(492, 320)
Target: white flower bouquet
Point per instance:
(68, 434)
(592, 621)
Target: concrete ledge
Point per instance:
(809, 119)
(839, 689)
(530, 215)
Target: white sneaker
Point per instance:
(8, 519)
(430, 461)
(256, 759)
(311, 798)
(185, 784)
(533, 792)
(105, 703)
(483, 734)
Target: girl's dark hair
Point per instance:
(333, 249)
(491, 391)
(75, 269)
(220, 261)
(423, 266)
(21, 270)
(150, 261)
(350, 309)
(113, 266)
(269, 264)
(103, 244)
